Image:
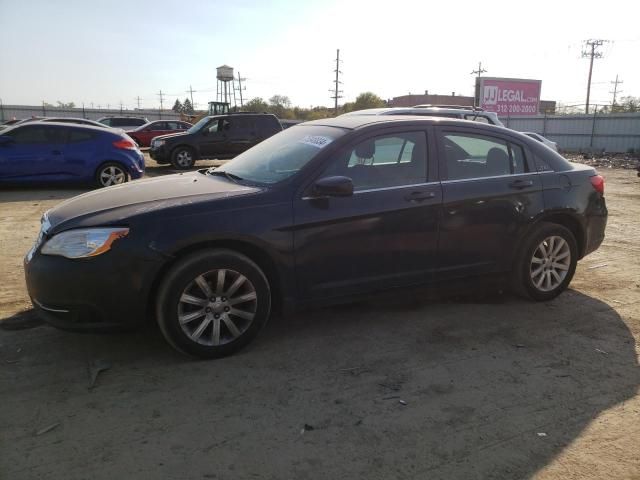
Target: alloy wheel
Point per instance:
(112, 175)
(217, 307)
(550, 263)
(184, 158)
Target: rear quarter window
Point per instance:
(77, 136)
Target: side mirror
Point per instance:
(333, 187)
(5, 139)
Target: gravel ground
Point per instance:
(483, 386)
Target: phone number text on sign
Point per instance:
(514, 108)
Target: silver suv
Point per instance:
(449, 111)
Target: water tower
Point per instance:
(225, 90)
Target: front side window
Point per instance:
(158, 126)
(478, 156)
(384, 161)
(33, 135)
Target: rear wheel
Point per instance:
(547, 263)
(111, 173)
(213, 303)
(183, 158)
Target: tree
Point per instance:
(177, 107)
(279, 105)
(65, 105)
(629, 104)
(187, 107)
(256, 105)
(368, 100)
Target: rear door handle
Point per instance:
(419, 196)
(518, 184)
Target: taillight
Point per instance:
(125, 144)
(598, 183)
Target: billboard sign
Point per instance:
(508, 96)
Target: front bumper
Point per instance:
(159, 154)
(103, 293)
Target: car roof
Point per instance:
(418, 110)
(357, 121)
(67, 125)
(54, 119)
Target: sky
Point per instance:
(108, 52)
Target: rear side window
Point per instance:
(159, 126)
(77, 136)
(266, 126)
(477, 156)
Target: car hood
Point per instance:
(170, 135)
(118, 203)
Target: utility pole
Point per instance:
(138, 100)
(615, 91)
(190, 91)
(161, 95)
(336, 91)
(478, 73)
(591, 51)
(120, 107)
(480, 70)
(240, 88)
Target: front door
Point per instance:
(214, 141)
(382, 236)
(491, 192)
(36, 153)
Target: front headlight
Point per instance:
(158, 143)
(85, 242)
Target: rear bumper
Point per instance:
(595, 227)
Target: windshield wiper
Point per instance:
(231, 176)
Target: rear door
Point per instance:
(80, 154)
(385, 234)
(490, 191)
(36, 153)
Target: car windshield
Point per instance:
(282, 155)
(201, 123)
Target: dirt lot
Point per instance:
(476, 388)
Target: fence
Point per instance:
(8, 112)
(619, 132)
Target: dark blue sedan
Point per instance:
(64, 153)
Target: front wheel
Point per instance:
(212, 303)
(111, 174)
(183, 158)
(547, 263)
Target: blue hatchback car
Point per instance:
(64, 153)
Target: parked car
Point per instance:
(219, 136)
(450, 111)
(47, 152)
(320, 213)
(125, 123)
(145, 133)
(544, 140)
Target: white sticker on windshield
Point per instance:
(317, 141)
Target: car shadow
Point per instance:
(463, 386)
(38, 193)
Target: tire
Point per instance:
(212, 320)
(540, 276)
(111, 173)
(183, 158)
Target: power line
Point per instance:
(615, 91)
(591, 52)
(336, 91)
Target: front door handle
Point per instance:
(419, 196)
(519, 184)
